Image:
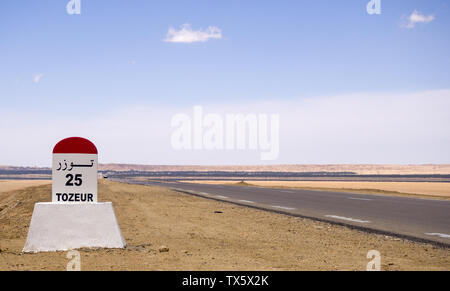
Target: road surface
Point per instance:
(418, 219)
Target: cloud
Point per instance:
(37, 77)
(187, 35)
(350, 128)
(416, 17)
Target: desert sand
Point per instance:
(11, 185)
(203, 234)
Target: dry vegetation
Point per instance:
(203, 234)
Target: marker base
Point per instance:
(67, 226)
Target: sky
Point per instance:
(347, 86)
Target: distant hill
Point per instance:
(430, 169)
(443, 169)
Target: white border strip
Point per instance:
(443, 235)
(362, 199)
(348, 218)
(282, 207)
(246, 201)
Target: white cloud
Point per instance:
(37, 77)
(351, 128)
(416, 17)
(187, 35)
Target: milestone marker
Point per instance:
(74, 219)
(74, 171)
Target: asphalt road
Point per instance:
(412, 218)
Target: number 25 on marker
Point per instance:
(71, 178)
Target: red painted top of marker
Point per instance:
(75, 145)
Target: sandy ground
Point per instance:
(421, 189)
(11, 185)
(202, 234)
